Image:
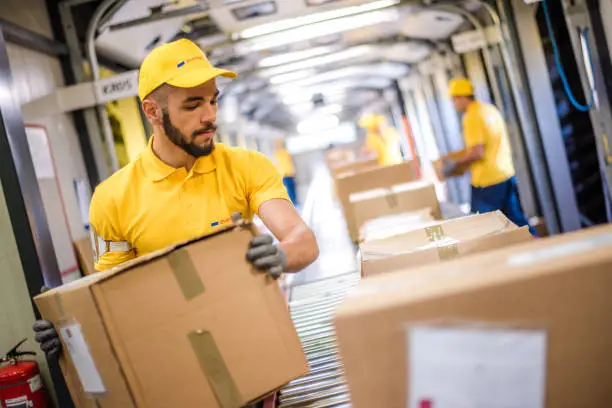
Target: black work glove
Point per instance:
(46, 335)
(267, 256)
(449, 167)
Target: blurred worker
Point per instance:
(488, 155)
(382, 141)
(183, 185)
(285, 165)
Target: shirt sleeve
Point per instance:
(265, 183)
(474, 131)
(110, 247)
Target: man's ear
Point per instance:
(152, 111)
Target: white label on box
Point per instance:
(453, 367)
(82, 359)
(560, 251)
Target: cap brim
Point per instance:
(197, 75)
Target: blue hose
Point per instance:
(562, 74)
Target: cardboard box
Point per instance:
(461, 170)
(442, 233)
(395, 224)
(443, 250)
(344, 168)
(193, 325)
(397, 199)
(368, 180)
(85, 256)
(524, 326)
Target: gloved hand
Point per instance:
(46, 335)
(449, 167)
(266, 256)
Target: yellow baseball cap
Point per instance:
(179, 63)
(460, 87)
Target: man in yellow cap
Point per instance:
(184, 185)
(382, 141)
(285, 165)
(488, 155)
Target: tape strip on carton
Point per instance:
(447, 247)
(214, 368)
(186, 274)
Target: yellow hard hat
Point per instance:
(460, 87)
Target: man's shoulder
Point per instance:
(114, 187)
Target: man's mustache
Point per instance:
(207, 129)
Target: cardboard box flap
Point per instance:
(142, 260)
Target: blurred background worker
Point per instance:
(382, 140)
(488, 155)
(284, 162)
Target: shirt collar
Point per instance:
(158, 170)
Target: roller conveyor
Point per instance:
(312, 307)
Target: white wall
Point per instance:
(35, 75)
(606, 16)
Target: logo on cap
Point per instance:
(180, 64)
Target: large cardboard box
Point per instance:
(523, 326)
(193, 325)
(397, 199)
(368, 180)
(440, 232)
(440, 241)
(443, 250)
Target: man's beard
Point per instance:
(180, 140)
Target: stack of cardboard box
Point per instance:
(521, 326)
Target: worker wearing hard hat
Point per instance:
(488, 155)
(382, 140)
(184, 185)
(285, 165)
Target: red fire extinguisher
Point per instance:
(20, 382)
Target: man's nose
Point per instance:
(209, 114)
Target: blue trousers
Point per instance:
(503, 197)
(289, 183)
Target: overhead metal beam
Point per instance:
(158, 17)
(24, 37)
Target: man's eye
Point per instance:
(190, 107)
(214, 102)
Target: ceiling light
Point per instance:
(293, 56)
(317, 30)
(317, 123)
(291, 77)
(314, 18)
(344, 55)
(302, 95)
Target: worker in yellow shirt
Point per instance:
(184, 184)
(285, 165)
(488, 155)
(382, 141)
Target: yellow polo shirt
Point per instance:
(484, 125)
(284, 162)
(150, 205)
(385, 146)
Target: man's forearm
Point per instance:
(300, 248)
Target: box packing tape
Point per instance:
(186, 274)
(447, 247)
(202, 341)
